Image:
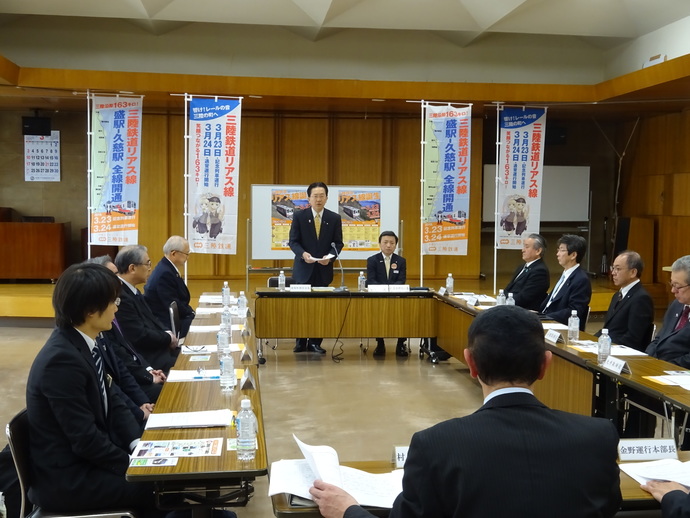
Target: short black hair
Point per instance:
(633, 260)
(314, 185)
(389, 233)
(574, 244)
(507, 345)
(132, 254)
(83, 289)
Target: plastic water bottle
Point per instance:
(501, 299)
(281, 281)
(226, 318)
(247, 427)
(361, 282)
(227, 372)
(3, 509)
(223, 340)
(242, 304)
(604, 347)
(573, 327)
(510, 301)
(449, 284)
(225, 294)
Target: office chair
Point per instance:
(174, 319)
(272, 282)
(17, 432)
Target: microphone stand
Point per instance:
(342, 272)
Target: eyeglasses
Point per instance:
(617, 269)
(117, 301)
(318, 196)
(147, 264)
(181, 252)
(675, 287)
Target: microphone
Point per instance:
(342, 272)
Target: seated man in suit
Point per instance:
(154, 341)
(530, 282)
(387, 267)
(630, 318)
(165, 285)
(490, 462)
(672, 343)
(573, 290)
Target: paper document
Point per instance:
(201, 419)
(664, 469)
(209, 311)
(213, 299)
(588, 346)
(204, 329)
(179, 448)
(481, 299)
(201, 374)
(555, 325)
(321, 462)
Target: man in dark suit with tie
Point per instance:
(315, 233)
(165, 285)
(530, 282)
(141, 328)
(490, 463)
(387, 267)
(630, 317)
(672, 343)
(573, 290)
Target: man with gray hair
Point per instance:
(672, 344)
(154, 341)
(530, 282)
(165, 285)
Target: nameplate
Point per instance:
(472, 301)
(647, 449)
(442, 291)
(400, 455)
(553, 336)
(616, 365)
(300, 287)
(247, 381)
(378, 288)
(399, 288)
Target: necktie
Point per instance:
(618, 299)
(387, 262)
(98, 360)
(317, 224)
(683, 318)
(525, 269)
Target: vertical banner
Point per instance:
(115, 164)
(214, 173)
(42, 157)
(446, 172)
(520, 169)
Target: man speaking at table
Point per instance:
(514, 456)
(315, 233)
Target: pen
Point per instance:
(206, 377)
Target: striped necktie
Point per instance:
(98, 360)
(317, 224)
(683, 320)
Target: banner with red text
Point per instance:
(214, 174)
(115, 167)
(520, 169)
(446, 186)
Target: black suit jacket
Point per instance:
(303, 239)
(79, 454)
(530, 288)
(143, 330)
(165, 286)
(631, 320)
(376, 270)
(669, 345)
(514, 457)
(575, 293)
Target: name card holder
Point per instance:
(617, 365)
(247, 381)
(300, 287)
(400, 455)
(378, 288)
(442, 291)
(399, 288)
(472, 301)
(553, 336)
(646, 449)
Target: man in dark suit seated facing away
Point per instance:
(573, 290)
(165, 285)
(630, 318)
(387, 267)
(154, 341)
(530, 282)
(514, 457)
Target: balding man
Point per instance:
(165, 285)
(530, 282)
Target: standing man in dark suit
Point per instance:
(672, 344)
(630, 318)
(491, 462)
(530, 282)
(165, 285)
(573, 290)
(141, 328)
(315, 233)
(387, 267)
(81, 432)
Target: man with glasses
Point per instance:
(630, 318)
(165, 285)
(315, 233)
(153, 340)
(672, 344)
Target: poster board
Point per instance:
(366, 211)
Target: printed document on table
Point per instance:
(321, 462)
(588, 346)
(209, 311)
(554, 325)
(664, 469)
(200, 419)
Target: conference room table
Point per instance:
(210, 481)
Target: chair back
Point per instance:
(273, 282)
(174, 319)
(17, 432)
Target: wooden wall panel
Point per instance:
(357, 152)
(679, 194)
(303, 150)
